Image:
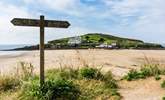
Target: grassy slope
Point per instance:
(93, 40)
(95, 37)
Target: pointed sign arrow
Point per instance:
(36, 23)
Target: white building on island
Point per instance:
(75, 40)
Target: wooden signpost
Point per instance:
(42, 23)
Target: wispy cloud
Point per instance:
(8, 33)
(142, 19)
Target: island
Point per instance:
(95, 40)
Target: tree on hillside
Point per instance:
(87, 38)
(101, 40)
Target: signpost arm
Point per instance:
(42, 50)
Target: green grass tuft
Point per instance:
(163, 84)
(62, 84)
(9, 83)
(157, 77)
(163, 98)
(90, 84)
(58, 88)
(144, 72)
(109, 80)
(89, 73)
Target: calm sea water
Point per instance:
(163, 45)
(7, 47)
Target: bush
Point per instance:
(89, 73)
(145, 71)
(133, 74)
(163, 84)
(67, 73)
(8, 83)
(96, 90)
(163, 98)
(52, 89)
(109, 80)
(157, 77)
(66, 84)
(151, 70)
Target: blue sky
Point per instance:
(139, 19)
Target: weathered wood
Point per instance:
(42, 50)
(57, 24)
(25, 22)
(36, 23)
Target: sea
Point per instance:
(11, 46)
(5, 49)
(163, 45)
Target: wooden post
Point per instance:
(42, 50)
(42, 23)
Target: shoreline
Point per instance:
(12, 54)
(82, 49)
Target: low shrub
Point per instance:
(157, 77)
(144, 72)
(9, 83)
(89, 73)
(71, 84)
(150, 70)
(163, 84)
(98, 84)
(133, 74)
(163, 98)
(57, 89)
(67, 73)
(96, 90)
(109, 80)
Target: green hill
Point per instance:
(96, 40)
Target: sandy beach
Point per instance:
(118, 61)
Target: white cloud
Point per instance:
(148, 23)
(58, 4)
(8, 33)
(149, 17)
(63, 6)
(70, 7)
(151, 24)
